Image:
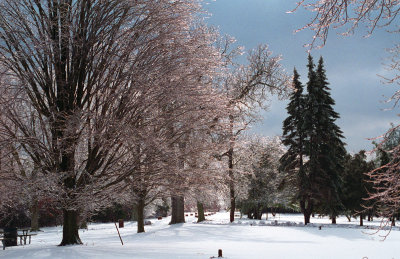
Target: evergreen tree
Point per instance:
(293, 136)
(330, 152)
(310, 131)
(356, 184)
(310, 177)
(294, 139)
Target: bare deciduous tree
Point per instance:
(248, 88)
(86, 70)
(349, 14)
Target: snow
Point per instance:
(242, 239)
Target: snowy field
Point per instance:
(241, 239)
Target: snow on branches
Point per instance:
(336, 14)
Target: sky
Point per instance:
(352, 64)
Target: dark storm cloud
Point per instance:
(352, 63)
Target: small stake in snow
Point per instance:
(118, 233)
(219, 252)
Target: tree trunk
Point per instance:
(140, 215)
(70, 221)
(393, 221)
(259, 212)
(333, 219)
(178, 210)
(306, 207)
(307, 218)
(233, 205)
(231, 186)
(70, 228)
(361, 219)
(34, 215)
(230, 171)
(200, 212)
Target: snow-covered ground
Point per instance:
(242, 239)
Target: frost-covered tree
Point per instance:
(264, 180)
(20, 179)
(247, 88)
(349, 14)
(88, 70)
(384, 194)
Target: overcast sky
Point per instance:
(352, 64)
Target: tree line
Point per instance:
(136, 102)
(325, 179)
(350, 15)
(127, 102)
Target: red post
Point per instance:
(120, 223)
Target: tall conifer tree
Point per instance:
(293, 137)
(325, 147)
(292, 160)
(309, 179)
(332, 148)
(310, 131)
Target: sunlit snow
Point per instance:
(242, 239)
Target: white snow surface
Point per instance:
(283, 236)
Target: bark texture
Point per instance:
(70, 228)
(178, 211)
(140, 216)
(200, 212)
(306, 206)
(231, 186)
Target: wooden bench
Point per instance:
(24, 236)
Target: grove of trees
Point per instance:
(111, 108)
(107, 102)
(315, 157)
(349, 15)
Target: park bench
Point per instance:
(23, 237)
(26, 233)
